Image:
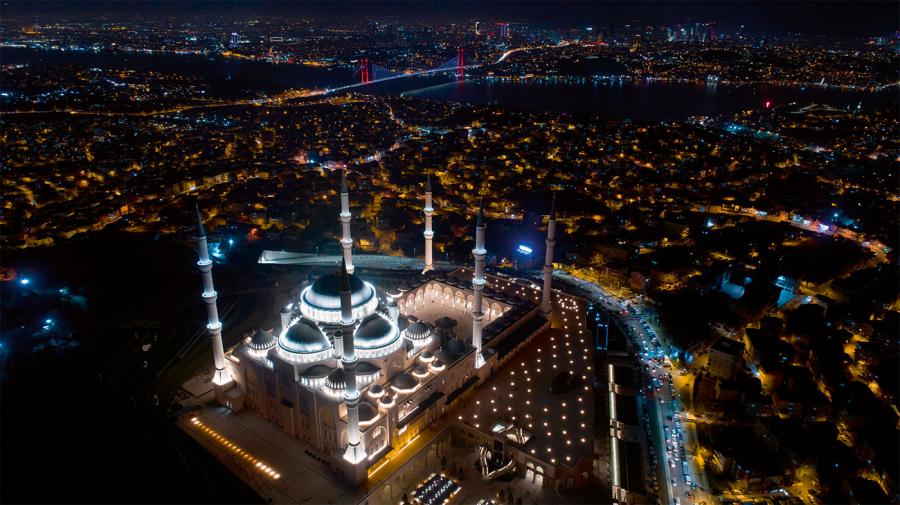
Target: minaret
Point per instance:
(547, 293)
(392, 309)
(220, 375)
(478, 285)
(346, 241)
(355, 451)
(285, 317)
(429, 234)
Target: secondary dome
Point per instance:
(375, 332)
(262, 340)
(367, 412)
(325, 293)
(304, 337)
(418, 333)
(404, 382)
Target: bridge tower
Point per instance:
(364, 76)
(460, 64)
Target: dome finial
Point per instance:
(201, 232)
(344, 181)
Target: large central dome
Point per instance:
(322, 301)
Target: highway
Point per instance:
(680, 479)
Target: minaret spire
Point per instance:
(355, 451)
(214, 326)
(346, 241)
(478, 285)
(546, 294)
(429, 233)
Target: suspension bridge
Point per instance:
(372, 73)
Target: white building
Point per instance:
(356, 375)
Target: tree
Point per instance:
(502, 494)
(443, 462)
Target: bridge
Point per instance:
(372, 73)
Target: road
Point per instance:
(808, 224)
(681, 480)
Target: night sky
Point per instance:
(838, 19)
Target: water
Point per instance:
(642, 100)
(281, 75)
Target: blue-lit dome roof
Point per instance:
(418, 331)
(304, 337)
(262, 340)
(375, 332)
(325, 293)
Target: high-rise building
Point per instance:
(504, 30)
(235, 39)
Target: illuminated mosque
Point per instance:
(355, 374)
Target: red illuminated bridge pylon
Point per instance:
(370, 73)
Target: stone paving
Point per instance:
(302, 478)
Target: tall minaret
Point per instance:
(220, 375)
(285, 317)
(478, 285)
(355, 451)
(546, 307)
(429, 234)
(346, 241)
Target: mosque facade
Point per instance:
(355, 373)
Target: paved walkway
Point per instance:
(302, 478)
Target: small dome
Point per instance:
(375, 332)
(325, 293)
(304, 337)
(420, 371)
(386, 401)
(437, 365)
(336, 379)
(317, 372)
(426, 357)
(367, 412)
(262, 340)
(404, 382)
(376, 391)
(418, 331)
(456, 346)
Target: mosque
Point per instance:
(356, 373)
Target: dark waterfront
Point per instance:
(640, 100)
(612, 99)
